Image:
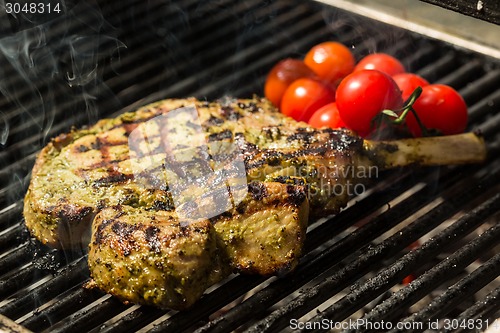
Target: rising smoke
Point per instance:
(51, 72)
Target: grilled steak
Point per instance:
(182, 192)
(80, 173)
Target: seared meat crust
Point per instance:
(148, 257)
(141, 248)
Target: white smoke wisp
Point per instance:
(52, 73)
(4, 129)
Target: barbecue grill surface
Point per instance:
(100, 59)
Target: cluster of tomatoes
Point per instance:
(329, 89)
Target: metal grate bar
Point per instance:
(72, 274)
(18, 257)
(236, 61)
(42, 264)
(452, 265)
(88, 18)
(318, 294)
(72, 301)
(11, 237)
(487, 105)
(474, 93)
(482, 309)
(463, 75)
(456, 294)
(86, 319)
(223, 295)
(441, 66)
(10, 172)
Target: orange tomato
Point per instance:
(304, 96)
(331, 61)
(282, 75)
(327, 116)
(382, 62)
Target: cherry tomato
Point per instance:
(408, 82)
(364, 94)
(282, 75)
(439, 107)
(331, 61)
(382, 62)
(304, 96)
(327, 116)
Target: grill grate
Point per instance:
(101, 59)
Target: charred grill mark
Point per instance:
(163, 205)
(213, 121)
(225, 134)
(230, 113)
(151, 235)
(304, 135)
(342, 140)
(124, 233)
(82, 149)
(273, 158)
(247, 149)
(153, 178)
(119, 211)
(336, 140)
(123, 230)
(97, 144)
(99, 235)
(270, 157)
(251, 106)
(296, 195)
(257, 190)
(193, 169)
(183, 230)
(272, 133)
(114, 178)
(72, 213)
(101, 204)
(289, 180)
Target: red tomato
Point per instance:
(439, 107)
(327, 116)
(282, 75)
(331, 61)
(364, 94)
(304, 96)
(382, 62)
(408, 82)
